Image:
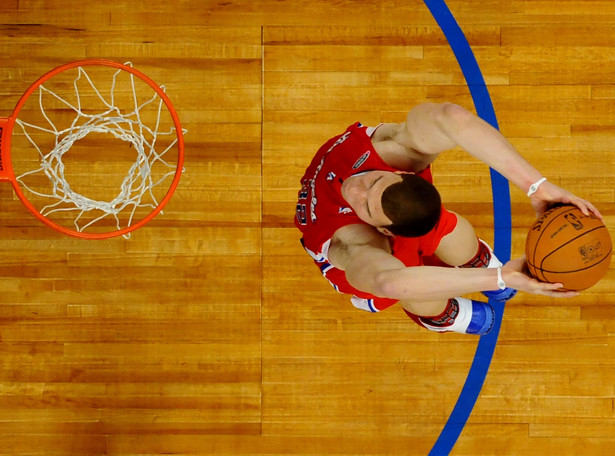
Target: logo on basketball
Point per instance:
(591, 251)
(574, 221)
(537, 226)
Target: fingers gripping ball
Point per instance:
(565, 246)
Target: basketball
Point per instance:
(565, 246)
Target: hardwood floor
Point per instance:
(210, 331)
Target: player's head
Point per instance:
(398, 204)
(413, 206)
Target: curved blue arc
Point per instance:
(502, 228)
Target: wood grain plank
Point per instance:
(210, 331)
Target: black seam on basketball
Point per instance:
(543, 229)
(568, 242)
(542, 273)
(536, 273)
(607, 256)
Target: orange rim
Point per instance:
(8, 170)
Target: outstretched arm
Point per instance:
(432, 128)
(363, 254)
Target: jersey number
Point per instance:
(302, 214)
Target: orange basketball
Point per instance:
(565, 246)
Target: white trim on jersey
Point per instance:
(364, 304)
(369, 131)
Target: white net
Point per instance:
(99, 107)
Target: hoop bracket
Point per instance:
(6, 170)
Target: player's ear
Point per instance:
(384, 231)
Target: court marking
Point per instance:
(502, 220)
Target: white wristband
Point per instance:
(501, 283)
(534, 187)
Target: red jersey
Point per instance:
(322, 210)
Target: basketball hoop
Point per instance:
(96, 153)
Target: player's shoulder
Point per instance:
(348, 239)
(356, 233)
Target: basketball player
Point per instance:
(375, 226)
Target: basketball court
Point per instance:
(209, 331)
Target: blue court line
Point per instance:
(502, 228)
